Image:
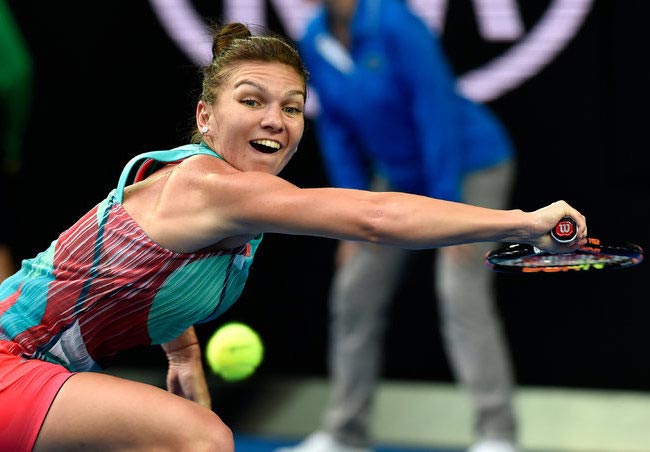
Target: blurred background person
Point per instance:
(391, 119)
(15, 103)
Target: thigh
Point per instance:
(461, 274)
(379, 264)
(94, 411)
(367, 279)
(490, 187)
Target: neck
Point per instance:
(204, 144)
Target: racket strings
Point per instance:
(562, 260)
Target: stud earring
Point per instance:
(204, 129)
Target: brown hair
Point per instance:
(234, 43)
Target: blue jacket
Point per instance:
(390, 106)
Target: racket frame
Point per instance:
(594, 255)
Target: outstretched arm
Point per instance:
(270, 204)
(216, 206)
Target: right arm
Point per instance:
(407, 221)
(249, 203)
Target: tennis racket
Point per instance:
(594, 255)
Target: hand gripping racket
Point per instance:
(594, 255)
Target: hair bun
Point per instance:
(227, 34)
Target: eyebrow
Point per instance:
(292, 92)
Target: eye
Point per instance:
(250, 102)
(293, 111)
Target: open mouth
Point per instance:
(266, 146)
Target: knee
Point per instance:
(216, 437)
(222, 439)
(208, 434)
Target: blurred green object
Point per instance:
(15, 89)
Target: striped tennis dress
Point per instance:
(104, 286)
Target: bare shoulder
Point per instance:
(218, 181)
(204, 201)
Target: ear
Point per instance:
(203, 112)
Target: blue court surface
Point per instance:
(248, 443)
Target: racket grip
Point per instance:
(565, 230)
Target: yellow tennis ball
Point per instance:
(234, 351)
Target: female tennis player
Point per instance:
(171, 246)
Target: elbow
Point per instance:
(376, 227)
(388, 222)
(381, 219)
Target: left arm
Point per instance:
(185, 376)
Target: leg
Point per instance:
(94, 411)
(471, 328)
(361, 291)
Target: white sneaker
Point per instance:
(493, 445)
(321, 442)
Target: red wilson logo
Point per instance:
(564, 229)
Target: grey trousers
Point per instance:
(476, 349)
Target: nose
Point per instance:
(273, 119)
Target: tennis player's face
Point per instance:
(257, 120)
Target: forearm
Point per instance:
(422, 222)
(185, 376)
(417, 222)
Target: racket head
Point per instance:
(594, 255)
